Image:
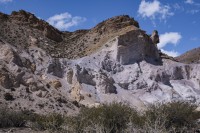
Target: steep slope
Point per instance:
(192, 56)
(45, 70)
(22, 84)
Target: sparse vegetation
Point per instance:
(10, 118)
(172, 117)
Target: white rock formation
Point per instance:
(126, 69)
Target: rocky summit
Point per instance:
(46, 70)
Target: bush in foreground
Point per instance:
(10, 118)
(172, 116)
(111, 118)
(108, 118)
(51, 122)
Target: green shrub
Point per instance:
(10, 118)
(111, 118)
(174, 115)
(108, 118)
(48, 122)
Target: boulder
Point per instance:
(5, 81)
(75, 92)
(9, 55)
(155, 37)
(55, 68)
(105, 84)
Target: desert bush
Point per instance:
(51, 122)
(107, 118)
(111, 118)
(10, 118)
(172, 116)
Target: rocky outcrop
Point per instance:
(24, 18)
(9, 55)
(55, 68)
(135, 46)
(75, 92)
(105, 84)
(111, 65)
(155, 37)
(6, 80)
(85, 76)
(115, 23)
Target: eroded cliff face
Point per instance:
(117, 62)
(135, 46)
(146, 79)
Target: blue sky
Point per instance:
(177, 21)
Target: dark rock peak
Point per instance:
(23, 18)
(3, 16)
(155, 37)
(22, 13)
(28, 18)
(117, 22)
(123, 20)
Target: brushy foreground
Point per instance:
(174, 117)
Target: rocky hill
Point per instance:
(192, 56)
(46, 70)
(23, 29)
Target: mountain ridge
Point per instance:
(191, 56)
(47, 31)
